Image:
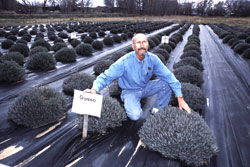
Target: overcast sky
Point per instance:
(100, 2)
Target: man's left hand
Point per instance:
(183, 104)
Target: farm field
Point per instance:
(226, 112)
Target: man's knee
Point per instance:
(134, 115)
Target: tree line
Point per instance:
(239, 8)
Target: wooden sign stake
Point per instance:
(85, 126)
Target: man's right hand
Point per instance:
(93, 91)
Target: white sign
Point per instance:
(73, 35)
(164, 39)
(87, 103)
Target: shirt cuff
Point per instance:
(178, 93)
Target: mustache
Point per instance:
(142, 49)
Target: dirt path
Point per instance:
(227, 89)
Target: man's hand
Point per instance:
(183, 104)
(92, 91)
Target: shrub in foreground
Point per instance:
(66, 55)
(179, 135)
(112, 116)
(11, 72)
(37, 107)
(79, 81)
(41, 61)
(193, 95)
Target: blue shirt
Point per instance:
(135, 74)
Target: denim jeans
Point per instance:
(131, 98)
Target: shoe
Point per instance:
(154, 110)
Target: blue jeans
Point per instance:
(131, 98)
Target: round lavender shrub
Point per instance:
(191, 53)
(117, 55)
(114, 89)
(58, 46)
(193, 95)
(38, 107)
(108, 40)
(112, 116)
(84, 49)
(179, 135)
(163, 52)
(101, 66)
(41, 61)
(189, 74)
(79, 81)
(246, 54)
(98, 45)
(189, 61)
(241, 47)
(14, 56)
(6, 44)
(21, 48)
(11, 72)
(66, 55)
(38, 49)
(41, 42)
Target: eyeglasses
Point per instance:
(141, 43)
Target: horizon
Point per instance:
(101, 2)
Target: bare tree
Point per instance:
(203, 6)
(186, 8)
(7, 5)
(238, 7)
(110, 4)
(85, 3)
(218, 10)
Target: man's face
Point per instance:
(140, 45)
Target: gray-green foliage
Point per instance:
(41, 42)
(114, 89)
(101, 66)
(21, 48)
(41, 61)
(10, 71)
(190, 61)
(118, 55)
(38, 107)
(192, 53)
(15, 56)
(66, 55)
(189, 74)
(179, 135)
(38, 49)
(193, 95)
(79, 81)
(112, 116)
(58, 46)
(84, 49)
